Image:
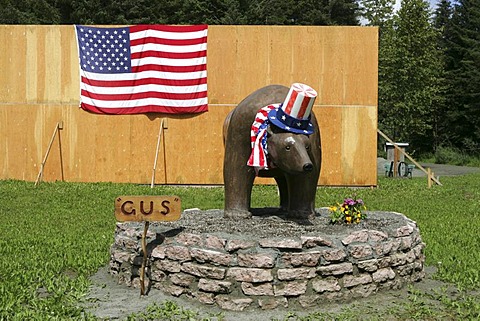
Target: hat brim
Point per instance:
(288, 123)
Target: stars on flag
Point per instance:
(104, 50)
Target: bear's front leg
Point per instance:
(238, 182)
(302, 190)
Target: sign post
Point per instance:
(147, 209)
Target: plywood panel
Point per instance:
(222, 65)
(35, 140)
(18, 149)
(144, 131)
(194, 152)
(69, 72)
(307, 62)
(330, 120)
(12, 63)
(70, 141)
(252, 61)
(280, 43)
(361, 64)
(53, 57)
(4, 133)
(82, 148)
(112, 148)
(48, 117)
(33, 68)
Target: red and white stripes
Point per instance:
(299, 101)
(258, 139)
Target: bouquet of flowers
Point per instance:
(350, 211)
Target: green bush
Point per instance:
(450, 155)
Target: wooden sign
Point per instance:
(147, 208)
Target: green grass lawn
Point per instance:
(54, 236)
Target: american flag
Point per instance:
(143, 68)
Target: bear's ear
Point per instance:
(269, 131)
(272, 129)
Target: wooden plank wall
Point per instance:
(39, 86)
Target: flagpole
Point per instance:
(156, 152)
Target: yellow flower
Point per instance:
(333, 208)
(348, 219)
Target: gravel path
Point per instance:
(438, 169)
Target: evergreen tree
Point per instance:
(463, 72)
(311, 12)
(343, 12)
(410, 74)
(377, 12)
(234, 13)
(271, 12)
(380, 13)
(111, 12)
(442, 22)
(387, 84)
(443, 15)
(303, 12)
(29, 12)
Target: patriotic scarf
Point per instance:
(258, 138)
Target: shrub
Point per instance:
(450, 155)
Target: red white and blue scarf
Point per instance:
(258, 137)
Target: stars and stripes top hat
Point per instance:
(295, 112)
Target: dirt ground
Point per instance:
(109, 300)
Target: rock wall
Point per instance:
(237, 272)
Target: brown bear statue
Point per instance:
(292, 151)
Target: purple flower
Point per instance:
(349, 201)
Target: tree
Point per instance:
(110, 12)
(378, 12)
(387, 85)
(29, 12)
(343, 12)
(463, 72)
(235, 13)
(441, 23)
(410, 76)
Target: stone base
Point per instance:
(237, 271)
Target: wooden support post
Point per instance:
(58, 126)
(160, 132)
(396, 159)
(429, 177)
(162, 209)
(144, 261)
